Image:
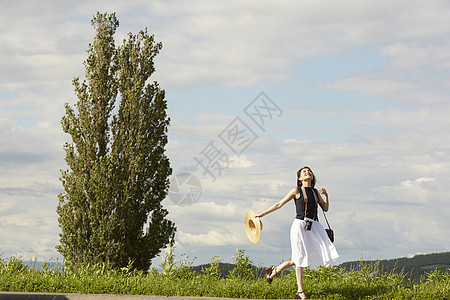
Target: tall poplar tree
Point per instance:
(117, 176)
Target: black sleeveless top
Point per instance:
(306, 209)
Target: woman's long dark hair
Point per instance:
(299, 183)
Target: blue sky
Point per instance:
(362, 92)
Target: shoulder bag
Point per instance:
(329, 231)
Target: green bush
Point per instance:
(177, 279)
(213, 270)
(243, 266)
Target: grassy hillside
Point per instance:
(176, 277)
(412, 268)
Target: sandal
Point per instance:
(298, 295)
(269, 271)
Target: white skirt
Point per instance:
(313, 245)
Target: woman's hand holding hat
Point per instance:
(253, 226)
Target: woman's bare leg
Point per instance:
(299, 275)
(277, 270)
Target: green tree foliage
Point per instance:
(110, 210)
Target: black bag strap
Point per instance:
(305, 197)
(326, 218)
(303, 191)
(315, 196)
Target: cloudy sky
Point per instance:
(357, 90)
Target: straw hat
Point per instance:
(253, 226)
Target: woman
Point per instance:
(309, 240)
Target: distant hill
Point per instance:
(413, 267)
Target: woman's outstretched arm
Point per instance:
(279, 204)
(325, 204)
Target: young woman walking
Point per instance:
(309, 240)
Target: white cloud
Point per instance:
(410, 183)
(415, 74)
(240, 162)
(281, 35)
(210, 210)
(211, 238)
(418, 56)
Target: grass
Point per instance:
(177, 279)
